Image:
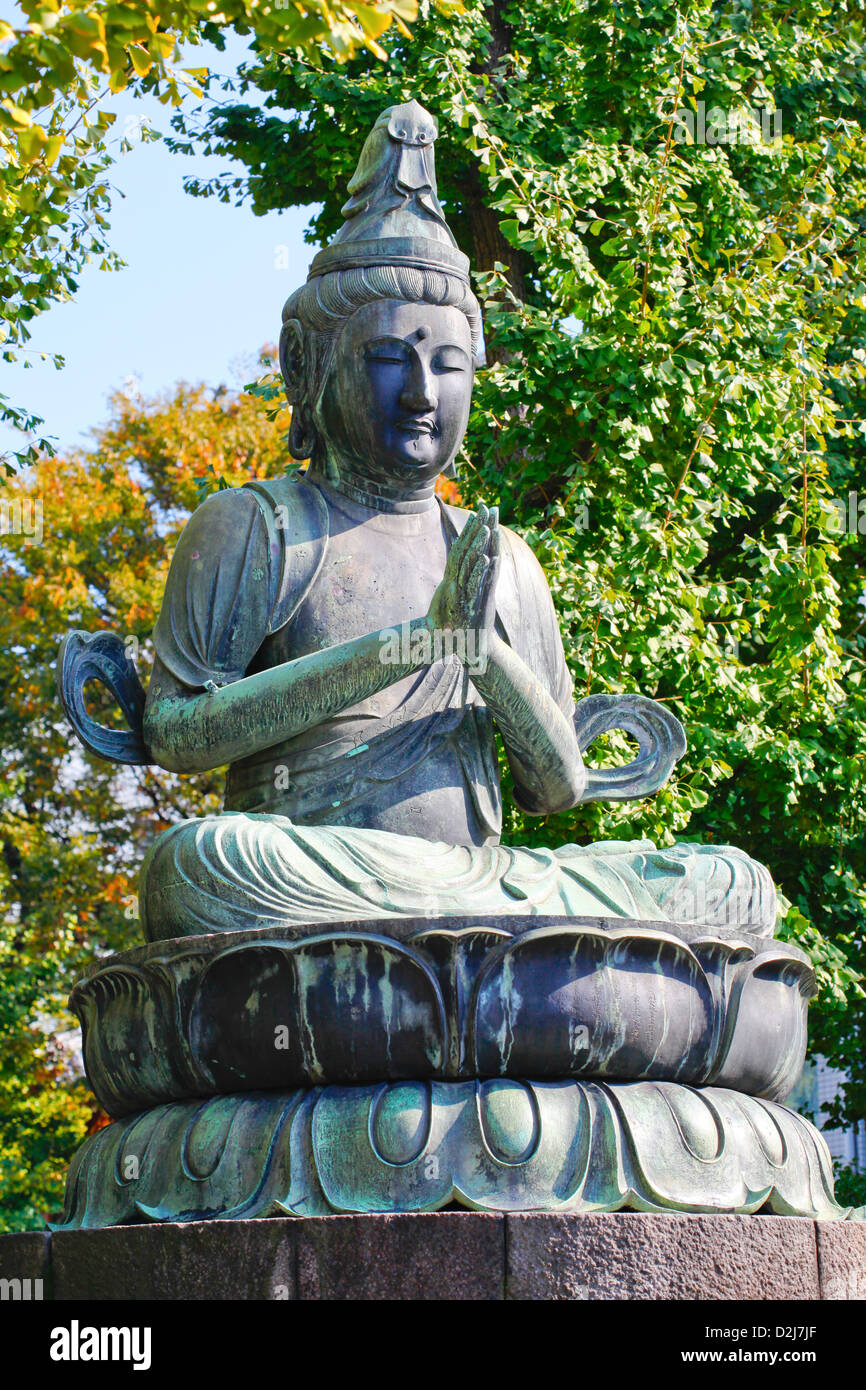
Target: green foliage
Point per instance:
(44, 1114)
(675, 391)
(850, 1186)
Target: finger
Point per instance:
(493, 572)
(466, 537)
(491, 578)
(494, 555)
(458, 547)
(476, 578)
(476, 551)
(477, 542)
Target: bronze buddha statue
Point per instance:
(350, 646)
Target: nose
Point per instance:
(420, 391)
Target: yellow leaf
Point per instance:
(141, 59)
(177, 75)
(777, 246)
(53, 148)
(163, 44)
(373, 22)
(18, 114)
(31, 142)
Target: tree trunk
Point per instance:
(488, 243)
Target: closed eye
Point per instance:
(450, 360)
(387, 352)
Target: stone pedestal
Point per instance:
(451, 1255)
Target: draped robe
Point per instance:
(392, 807)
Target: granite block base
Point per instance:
(450, 1255)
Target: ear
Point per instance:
(302, 434)
(292, 360)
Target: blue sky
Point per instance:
(201, 294)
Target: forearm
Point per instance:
(540, 741)
(196, 733)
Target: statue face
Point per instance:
(396, 402)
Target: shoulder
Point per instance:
(524, 557)
(225, 534)
(288, 503)
(226, 513)
(297, 506)
(219, 593)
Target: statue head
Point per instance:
(378, 349)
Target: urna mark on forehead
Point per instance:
(414, 324)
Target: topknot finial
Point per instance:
(393, 216)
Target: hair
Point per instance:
(315, 314)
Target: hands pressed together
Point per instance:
(466, 598)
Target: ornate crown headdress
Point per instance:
(394, 216)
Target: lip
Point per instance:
(416, 427)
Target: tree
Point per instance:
(57, 69)
(688, 461)
(92, 552)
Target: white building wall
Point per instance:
(818, 1085)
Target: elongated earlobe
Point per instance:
(302, 433)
